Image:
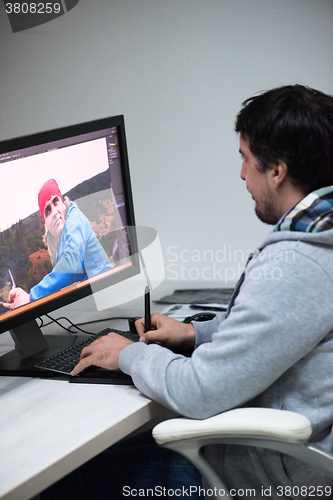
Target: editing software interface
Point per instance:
(45, 265)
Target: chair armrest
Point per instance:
(278, 424)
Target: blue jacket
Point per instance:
(80, 256)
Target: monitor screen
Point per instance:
(66, 223)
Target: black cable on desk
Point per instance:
(77, 325)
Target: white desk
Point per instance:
(49, 427)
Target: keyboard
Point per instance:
(64, 361)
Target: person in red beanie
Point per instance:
(73, 246)
(50, 201)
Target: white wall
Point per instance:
(178, 70)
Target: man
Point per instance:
(72, 244)
(275, 346)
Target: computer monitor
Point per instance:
(59, 262)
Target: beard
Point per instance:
(267, 211)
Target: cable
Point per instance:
(77, 326)
(53, 320)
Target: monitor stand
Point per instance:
(31, 346)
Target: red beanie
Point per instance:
(48, 189)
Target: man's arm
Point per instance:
(167, 332)
(204, 329)
(270, 328)
(174, 334)
(105, 352)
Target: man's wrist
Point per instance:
(192, 333)
(129, 354)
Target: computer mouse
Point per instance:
(202, 316)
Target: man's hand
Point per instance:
(167, 332)
(104, 352)
(17, 297)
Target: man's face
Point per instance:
(54, 216)
(258, 185)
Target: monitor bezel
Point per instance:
(53, 301)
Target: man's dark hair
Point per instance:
(293, 124)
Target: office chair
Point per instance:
(283, 431)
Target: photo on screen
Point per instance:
(89, 178)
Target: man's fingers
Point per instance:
(86, 359)
(103, 352)
(155, 337)
(82, 365)
(140, 326)
(147, 337)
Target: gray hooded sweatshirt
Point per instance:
(274, 350)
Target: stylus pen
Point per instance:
(147, 309)
(11, 277)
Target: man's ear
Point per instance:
(279, 173)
